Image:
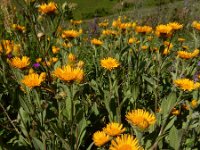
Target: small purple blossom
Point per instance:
(199, 63)
(36, 65)
(9, 56)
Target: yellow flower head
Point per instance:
(188, 55)
(80, 64)
(100, 138)
(49, 8)
(114, 129)
(68, 74)
(76, 22)
(141, 118)
(103, 24)
(6, 46)
(38, 60)
(196, 25)
(18, 28)
(55, 49)
(125, 142)
(181, 40)
(20, 62)
(144, 47)
(96, 42)
(32, 80)
(109, 32)
(132, 40)
(163, 30)
(70, 34)
(186, 84)
(109, 63)
(194, 103)
(71, 57)
(143, 29)
(175, 112)
(175, 25)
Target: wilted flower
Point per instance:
(141, 118)
(109, 63)
(100, 138)
(114, 129)
(18, 28)
(125, 142)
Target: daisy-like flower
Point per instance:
(194, 103)
(49, 8)
(141, 118)
(100, 138)
(6, 46)
(70, 34)
(125, 142)
(114, 129)
(71, 57)
(32, 80)
(103, 24)
(109, 63)
(109, 32)
(143, 29)
(96, 42)
(163, 30)
(132, 40)
(175, 25)
(168, 47)
(55, 49)
(175, 112)
(68, 74)
(76, 22)
(188, 55)
(196, 25)
(20, 62)
(186, 84)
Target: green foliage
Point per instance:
(62, 112)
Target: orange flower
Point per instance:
(49, 8)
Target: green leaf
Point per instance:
(168, 104)
(170, 124)
(174, 140)
(38, 145)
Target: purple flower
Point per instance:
(36, 65)
(199, 63)
(9, 56)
